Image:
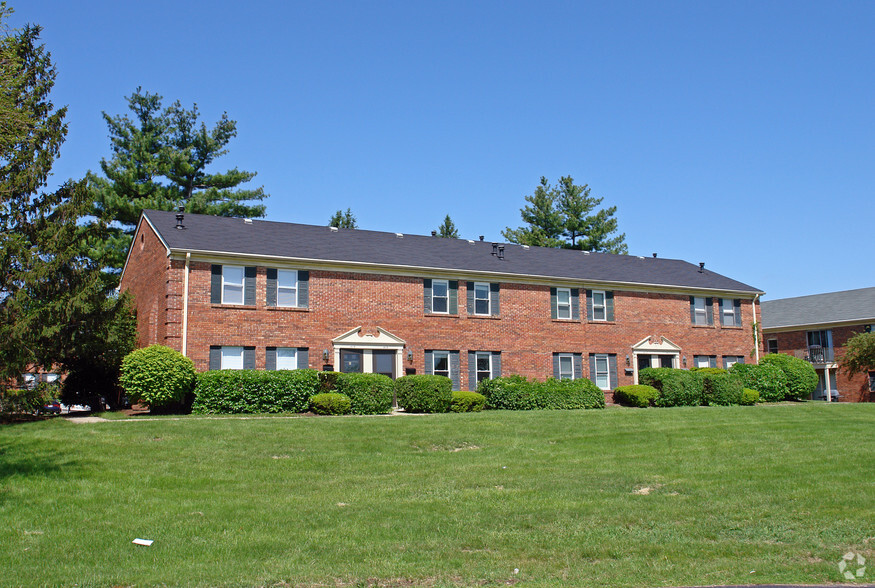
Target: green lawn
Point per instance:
(618, 497)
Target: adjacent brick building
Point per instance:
(239, 293)
(815, 328)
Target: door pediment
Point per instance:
(655, 345)
(356, 339)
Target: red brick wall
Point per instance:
(524, 334)
(853, 388)
(146, 275)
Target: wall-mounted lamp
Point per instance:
(409, 355)
(324, 355)
(685, 361)
(628, 361)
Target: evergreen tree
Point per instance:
(448, 229)
(562, 216)
(159, 161)
(54, 303)
(343, 220)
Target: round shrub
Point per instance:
(636, 395)
(330, 403)
(467, 402)
(157, 375)
(749, 397)
(721, 389)
(676, 387)
(424, 393)
(254, 392)
(768, 380)
(801, 377)
(368, 393)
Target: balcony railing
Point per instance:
(818, 354)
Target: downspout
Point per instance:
(185, 305)
(756, 329)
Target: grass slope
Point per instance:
(620, 497)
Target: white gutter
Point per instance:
(185, 305)
(756, 329)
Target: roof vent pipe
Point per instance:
(701, 267)
(495, 249)
(501, 252)
(481, 237)
(434, 233)
(654, 256)
(179, 218)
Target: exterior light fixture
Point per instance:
(685, 361)
(324, 355)
(409, 355)
(628, 361)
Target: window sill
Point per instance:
(287, 308)
(704, 326)
(440, 315)
(731, 327)
(488, 317)
(570, 321)
(601, 322)
(235, 306)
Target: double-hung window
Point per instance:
(441, 363)
(287, 289)
(699, 310)
(563, 303)
(599, 307)
(705, 361)
(566, 366)
(286, 358)
(232, 357)
(484, 365)
(602, 371)
(232, 284)
(481, 298)
(440, 296)
(772, 346)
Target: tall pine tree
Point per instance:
(448, 229)
(159, 160)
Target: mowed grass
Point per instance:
(619, 497)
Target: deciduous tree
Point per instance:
(859, 354)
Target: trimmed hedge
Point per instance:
(676, 387)
(467, 402)
(749, 397)
(330, 403)
(721, 389)
(769, 380)
(518, 393)
(636, 395)
(157, 375)
(250, 391)
(801, 377)
(368, 393)
(424, 393)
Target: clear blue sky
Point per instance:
(741, 134)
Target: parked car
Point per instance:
(52, 407)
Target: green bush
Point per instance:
(767, 379)
(636, 395)
(676, 387)
(801, 377)
(24, 401)
(707, 371)
(330, 403)
(721, 389)
(328, 381)
(518, 393)
(250, 391)
(368, 393)
(424, 393)
(749, 397)
(157, 375)
(467, 402)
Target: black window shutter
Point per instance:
(426, 294)
(429, 359)
(496, 364)
(709, 308)
(271, 288)
(469, 297)
(725, 362)
(454, 298)
(556, 365)
(609, 306)
(592, 367)
(454, 369)
(553, 302)
(215, 356)
(270, 358)
(216, 285)
(693, 309)
(575, 304)
(303, 289)
(589, 305)
(737, 304)
(249, 286)
(494, 299)
(249, 358)
(712, 361)
(612, 368)
(303, 358)
(739, 359)
(472, 370)
(577, 362)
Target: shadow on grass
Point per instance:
(31, 459)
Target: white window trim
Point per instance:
(447, 297)
(703, 320)
(294, 356)
(477, 370)
(728, 305)
(603, 306)
(707, 359)
(606, 373)
(242, 284)
(227, 358)
(435, 354)
(570, 358)
(286, 288)
(488, 298)
(560, 306)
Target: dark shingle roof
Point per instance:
(833, 307)
(213, 234)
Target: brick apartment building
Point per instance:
(815, 328)
(252, 294)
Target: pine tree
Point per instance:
(343, 220)
(160, 157)
(448, 229)
(545, 223)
